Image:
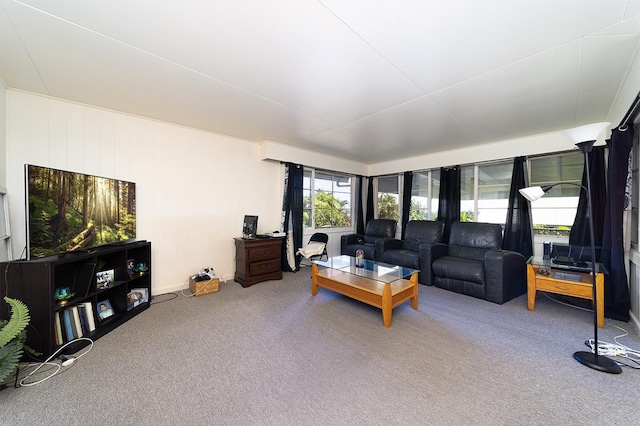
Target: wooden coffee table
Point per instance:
(378, 284)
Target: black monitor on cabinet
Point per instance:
(249, 226)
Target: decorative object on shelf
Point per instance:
(104, 309)
(131, 267)
(137, 296)
(141, 268)
(360, 258)
(62, 294)
(12, 337)
(104, 278)
(584, 137)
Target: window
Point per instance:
(484, 192)
(468, 194)
(425, 189)
(494, 185)
(555, 213)
(388, 198)
(326, 199)
(5, 235)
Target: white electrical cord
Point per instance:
(608, 349)
(65, 363)
(617, 350)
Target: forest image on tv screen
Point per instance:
(70, 211)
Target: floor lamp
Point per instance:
(584, 137)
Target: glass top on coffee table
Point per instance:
(377, 271)
(550, 263)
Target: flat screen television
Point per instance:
(249, 226)
(69, 211)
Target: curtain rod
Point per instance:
(630, 113)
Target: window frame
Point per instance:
(312, 191)
(430, 212)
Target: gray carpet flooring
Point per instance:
(272, 354)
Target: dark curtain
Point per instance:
(370, 214)
(517, 229)
(406, 200)
(292, 216)
(358, 207)
(579, 234)
(616, 290)
(449, 198)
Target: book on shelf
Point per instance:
(66, 319)
(88, 310)
(58, 330)
(83, 320)
(77, 327)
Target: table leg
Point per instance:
(414, 299)
(531, 287)
(386, 305)
(314, 279)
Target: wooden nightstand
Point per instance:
(258, 259)
(545, 276)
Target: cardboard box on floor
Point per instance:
(198, 288)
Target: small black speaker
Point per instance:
(546, 250)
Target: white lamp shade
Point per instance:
(532, 193)
(590, 132)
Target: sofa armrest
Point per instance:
(428, 253)
(505, 275)
(349, 239)
(380, 245)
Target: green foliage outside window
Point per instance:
(417, 212)
(329, 211)
(467, 216)
(387, 207)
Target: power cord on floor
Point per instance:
(155, 302)
(64, 361)
(631, 356)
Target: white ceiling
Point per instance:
(366, 80)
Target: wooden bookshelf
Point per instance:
(35, 282)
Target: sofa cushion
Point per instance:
(476, 234)
(379, 228)
(368, 249)
(422, 231)
(459, 268)
(406, 258)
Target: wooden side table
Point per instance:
(552, 280)
(258, 260)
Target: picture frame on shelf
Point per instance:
(104, 309)
(136, 297)
(131, 268)
(105, 278)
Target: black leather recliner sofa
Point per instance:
(413, 251)
(375, 232)
(474, 264)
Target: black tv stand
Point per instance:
(34, 282)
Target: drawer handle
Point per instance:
(266, 253)
(562, 288)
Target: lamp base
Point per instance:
(600, 363)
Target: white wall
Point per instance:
(3, 135)
(193, 187)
